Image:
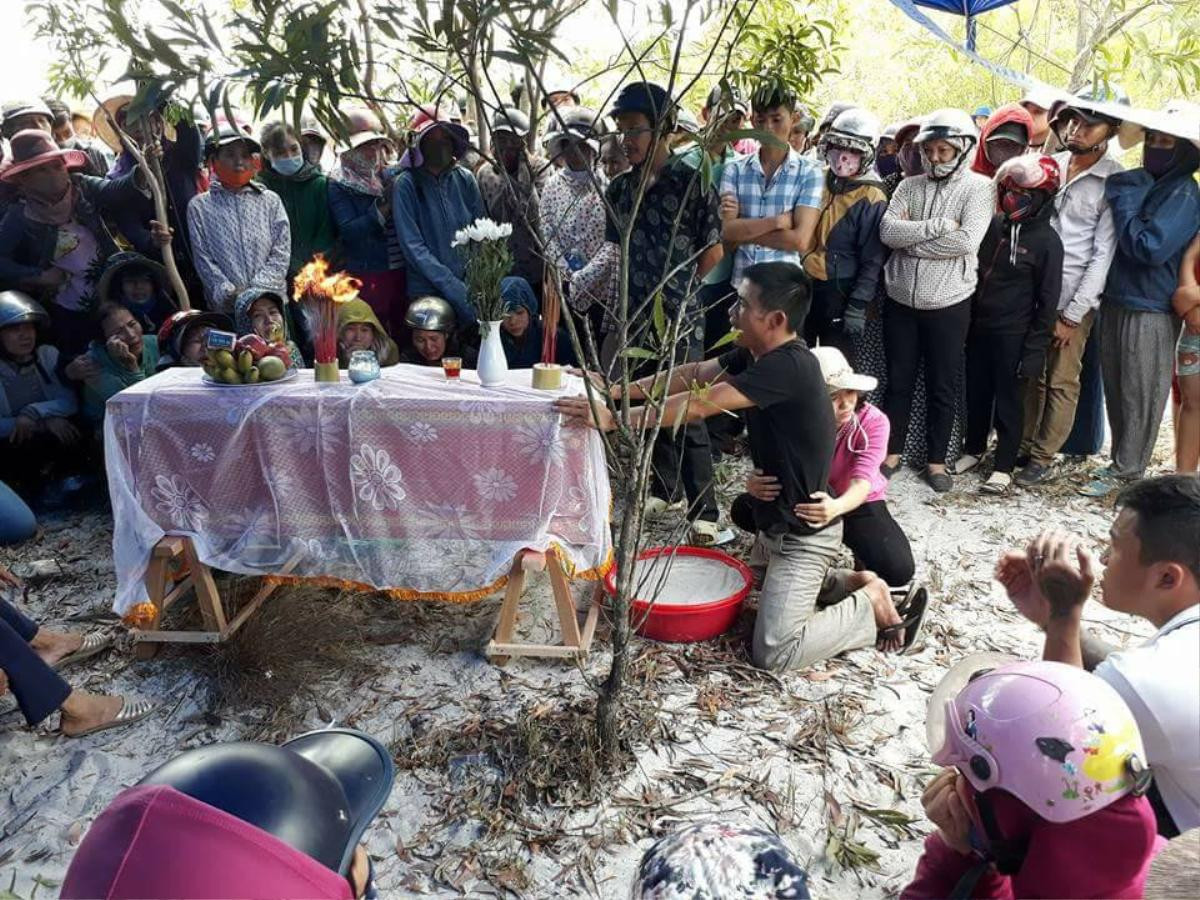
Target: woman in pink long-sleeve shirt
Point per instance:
(859, 490)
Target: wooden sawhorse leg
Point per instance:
(575, 642)
(199, 578)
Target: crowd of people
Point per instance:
(896, 295)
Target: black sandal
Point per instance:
(912, 609)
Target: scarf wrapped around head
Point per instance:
(357, 171)
(52, 212)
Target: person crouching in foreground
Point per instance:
(807, 610)
(1044, 794)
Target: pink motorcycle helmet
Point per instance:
(1057, 738)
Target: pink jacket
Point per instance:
(861, 447)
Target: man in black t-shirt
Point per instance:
(807, 611)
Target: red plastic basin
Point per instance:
(687, 623)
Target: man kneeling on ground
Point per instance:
(807, 611)
(1152, 571)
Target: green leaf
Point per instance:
(638, 353)
(728, 338)
(208, 29)
(660, 318)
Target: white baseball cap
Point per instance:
(838, 374)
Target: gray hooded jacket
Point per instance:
(935, 229)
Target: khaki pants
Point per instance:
(805, 613)
(1050, 401)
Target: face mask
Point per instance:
(439, 156)
(1000, 152)
(910, 159)
(235, 179)
(888, 165)
(1158, 161)
(940, 170)
(1016, 205)
(843, 163)
(582, 176)
(287, 165)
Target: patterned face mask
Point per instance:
(843, 163)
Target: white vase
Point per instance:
(493, 365)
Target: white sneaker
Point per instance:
(658, 508)
(965, 464)
(997, 483)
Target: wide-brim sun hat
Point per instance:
(32, 148)
(113, 106)
(839, 375)
(1129, 132)
(1178, 118)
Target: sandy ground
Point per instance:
(814, 755)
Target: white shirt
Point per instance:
(1160, 682)
(1084, 221)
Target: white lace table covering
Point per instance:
(410, 483)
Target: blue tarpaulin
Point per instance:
(969, 9)
(909, 8)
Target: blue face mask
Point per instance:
(287, 165)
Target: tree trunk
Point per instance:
(608, 704)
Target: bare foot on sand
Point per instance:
(885, 616)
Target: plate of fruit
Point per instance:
(252, 361)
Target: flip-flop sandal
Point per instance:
(902, 598)
(913, 620)
(130, 712)
(93, 643)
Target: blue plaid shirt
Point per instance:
(797, 182)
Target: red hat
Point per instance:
(427, 118)
(32, 148)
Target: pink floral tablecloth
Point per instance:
(409, 483)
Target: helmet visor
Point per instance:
(938, 726)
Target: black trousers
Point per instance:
(873, 536)
(682, 461)
(823, 325)
(994, 396)
(715, 300)
(878, 542)
(38, 688)
(936, 336)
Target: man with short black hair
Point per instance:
(674, 241)
(1152, 570)
(770, 200)
(807, 611)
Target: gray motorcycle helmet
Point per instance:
(430, 314)
(16, 308)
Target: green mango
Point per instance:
(271, 368)
(245, 361)
(230, 376)
(223, 359)
(252, 375)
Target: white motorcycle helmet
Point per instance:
(954, 126)
(856, 130)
